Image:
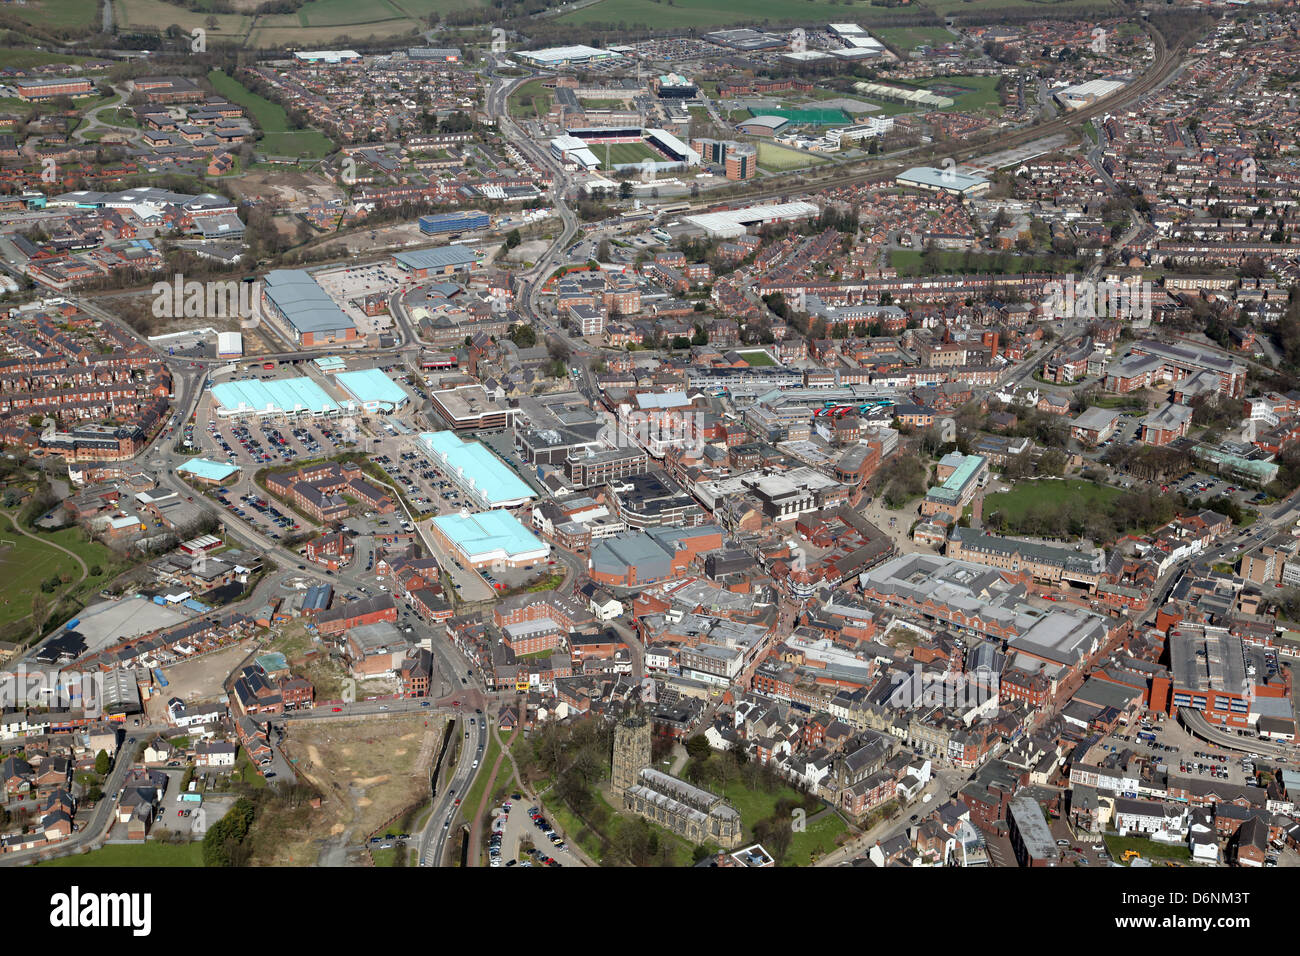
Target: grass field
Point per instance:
(715, 13)
(757, 358)
(154, 16)
(530, 100)
(22, 568)
(756, 805)
(56, 14)
(983, 93)
(278, 138)
(615, 154)
(1026, 495)
(910, 262)
(773, 157)
(150, 853)
(909, 38)
(17, 59)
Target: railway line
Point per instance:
(1165, 63)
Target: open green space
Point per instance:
(909, 38)
(981, 92)
(56, 14)
(24, 564)
(278, 138)
(155, 16)
(19, 59)
(808, 117)
(772, 157)
(150, 853)
(715, 13)
(1028, 495)
(469, 803)
(530, 100)
(1150, 849)
(913, 262)
(757, 358)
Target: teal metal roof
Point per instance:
(488, 532)
(372, 387)
(482, 473)
(277, 395)
(208, 470)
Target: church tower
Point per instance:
(631, 750)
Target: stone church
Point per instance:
(689, 811)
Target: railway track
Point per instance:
(1165, 62)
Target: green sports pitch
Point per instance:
(810, 117)
(616, 154)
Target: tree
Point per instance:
(103, 763)
(513, 239)
(524, 336)
(698, 747)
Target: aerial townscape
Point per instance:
(649, 433)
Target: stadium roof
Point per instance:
(276, 396)
(480, 471)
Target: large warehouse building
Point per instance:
(373, 391)
(489, 538)
(290, 397)
(948, 181)
(734, 222)
(293, 296)
(475, 470)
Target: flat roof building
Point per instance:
(942, 181)
(294, 297)
(481, 474)
(372, 390)
(291, 397)
(491, 537)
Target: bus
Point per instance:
(268, 365)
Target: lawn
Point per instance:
(469, 803)
(774, 157)
(1149, 849)
(757, 358)
(530, 100)
(23, 566)
(1027, 495)
(277, 137)
(911, 262)
(150, 853)
(820, 838)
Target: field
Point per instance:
(1027, 495)
(774, 157)
(278, 138)
(1149, 849)
(16, 59)
(982, 95)
(614, 154)
(718, 13)
(809, 117)
(909, 38)
(154, 16)
(757, 358)
(755, 805)
(150, 853)
(73, 15)
(23, 567)
(530, 100)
